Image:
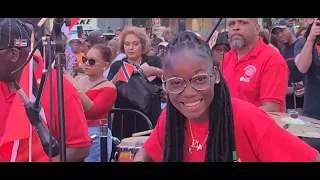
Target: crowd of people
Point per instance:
(205, 103)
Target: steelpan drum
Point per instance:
(307, 129)
(128, 147)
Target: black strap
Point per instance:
(99, 83)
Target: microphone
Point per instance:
(58, 20)
(36, 121)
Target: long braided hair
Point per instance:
(221, 140)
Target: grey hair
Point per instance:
(237, 43)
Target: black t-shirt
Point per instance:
(295, 75)
(311, 84)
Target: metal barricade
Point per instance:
(104, 130)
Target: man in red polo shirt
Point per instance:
(254, 71)
(14, 50)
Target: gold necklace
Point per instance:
(195, 143)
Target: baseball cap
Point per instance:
(95, 35)
(14, 33)
(279, 23)
(73, 37)
(222, 39)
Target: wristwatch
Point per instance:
(140, 70)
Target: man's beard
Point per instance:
(239, 43)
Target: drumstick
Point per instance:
(41, 22)
(295, 101)
(142, 133)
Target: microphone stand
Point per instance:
(60, 55)
(214, 29)
(48, 54)
(224, 42)
(104, 143)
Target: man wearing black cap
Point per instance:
(14, 49)
(282, 30)
(221, 47)
(96, 37)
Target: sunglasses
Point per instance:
(91, 61)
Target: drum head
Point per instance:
(301, 126)
(132, 141)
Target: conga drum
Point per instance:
(307, 129)
(128, 147)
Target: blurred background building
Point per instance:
(201, 25)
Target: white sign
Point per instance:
(87, 23)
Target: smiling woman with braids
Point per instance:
(202, 123)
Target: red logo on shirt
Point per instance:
(249, 72)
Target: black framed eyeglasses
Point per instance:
(91, 61)
(176, 85)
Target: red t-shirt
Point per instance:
(6, 99)
(259, 76)
(258, 138)
(103, 99)
(75, 122)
